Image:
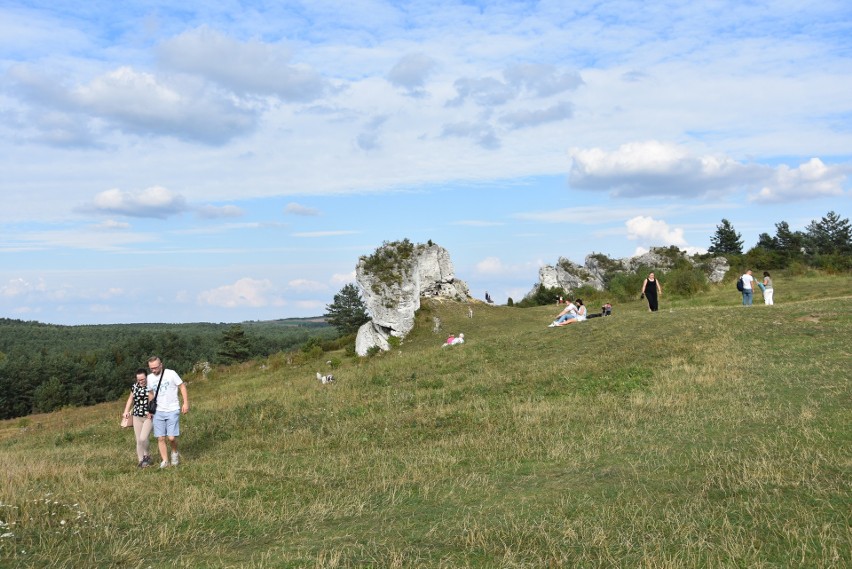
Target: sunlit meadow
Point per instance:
(704, 435)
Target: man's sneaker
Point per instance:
(164, 464)
(175, 459)
(141, 464)
(146, 462)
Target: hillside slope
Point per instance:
(703, 435)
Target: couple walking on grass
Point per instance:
(161, 387)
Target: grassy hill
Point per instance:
(704, 435)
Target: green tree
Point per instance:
(235, 346)
(830, 235)
(347, 312)
(726, 240)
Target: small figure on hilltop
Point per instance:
(768, 291)
(651, 290)
(488, 298)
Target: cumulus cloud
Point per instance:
(219, 212)
(294, 208)
(246, 292)
(156, 201)
(306, 285)
(245, 68)
(134, 102)
(111, 225)
(369, 137)
(490, 266)
(654, 232)
(810, 180)
(522, 119)
(656, 169)
(485, 91)
(411, 71)
(482, 133)
(19, 286)
(543, 80)
(343, 278)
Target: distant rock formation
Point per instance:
(570, 276)
(393, 279)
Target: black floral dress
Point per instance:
(140, 400)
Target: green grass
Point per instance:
(704, 435)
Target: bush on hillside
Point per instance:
(542, 296)
(685, 282)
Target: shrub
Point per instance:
(542, 296)
(686, 282)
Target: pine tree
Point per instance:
(235, 346)
(726, 240)
(348, 312)
(830, 235)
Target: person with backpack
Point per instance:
(748, 284)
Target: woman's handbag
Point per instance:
(126, 421)
(152, 404)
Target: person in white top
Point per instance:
(579, 314)
(749, 284)
(164, 384)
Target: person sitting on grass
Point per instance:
(580, 313)
(568, 313)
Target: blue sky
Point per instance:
(230, 161)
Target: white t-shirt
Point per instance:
(167, 399)
(747, 282)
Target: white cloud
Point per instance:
(658, 169)
(217, 212)
(111, 225)
(19, 286)
(294, 208)
(136, 102)
(530, 118)
(810, 180)
(542, 79)
(246, 292)
(306, 285)
(411, 71)
(340, 279)
(654, 232)
(493, 266)
(156, 201)
(243, 67)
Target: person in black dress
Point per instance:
(652, 290)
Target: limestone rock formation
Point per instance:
(393, 279)
(570, 276)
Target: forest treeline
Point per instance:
(44, 367)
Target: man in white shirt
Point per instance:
(164, 384)
(748, 288)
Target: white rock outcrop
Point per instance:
(568, 275)
(393, 280)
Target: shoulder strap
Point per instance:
(159, 382)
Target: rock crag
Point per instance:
(392, 281)
(570, 276)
